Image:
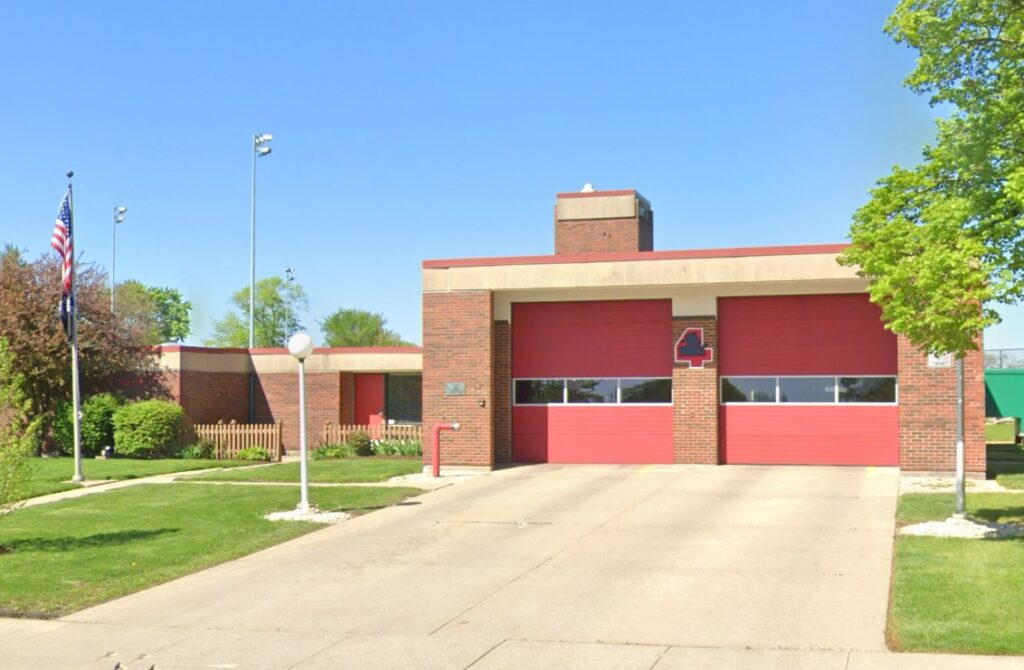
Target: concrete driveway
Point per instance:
(536, 567)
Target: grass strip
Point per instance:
(72, 554)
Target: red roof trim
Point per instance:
(595, 194)
(734, 252)
(182, 348)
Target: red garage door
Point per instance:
(592, 382)
(807, 380)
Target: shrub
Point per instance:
(97, 425)
(148, 429)
(326, 451)
(360, 441)
(397, 448)
(201, 449)
(252, 454)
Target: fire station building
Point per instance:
(608, 351)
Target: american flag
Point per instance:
(62, 242)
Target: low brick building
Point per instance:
(611, 352)
(361, 386)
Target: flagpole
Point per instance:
(76, 401)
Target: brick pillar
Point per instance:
(458, 347)
(347, 415)
(927, 399)
(695, 398)
(502, 392)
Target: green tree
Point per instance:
(18, 433)
(29, 292)
(157, 314)
(943, 242)
(358, 328)
(278, 306)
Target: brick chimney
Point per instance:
(596, 221)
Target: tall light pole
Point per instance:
(259, 149)
(289, 273)
(119, 213)
(300, 345)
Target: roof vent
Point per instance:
(588, 188)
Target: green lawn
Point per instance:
(50, 475)
(339, 471)
(958, 595)
(1000, 432)
(75, 553)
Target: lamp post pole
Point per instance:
(300, 345)
(119, 213)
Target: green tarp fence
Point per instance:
(1004, 393)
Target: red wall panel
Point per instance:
(369, 397)
(621, 338)
(810, 435)
(591, 434)
(804, 335)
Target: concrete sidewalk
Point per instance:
(94, 487)
(664, 567)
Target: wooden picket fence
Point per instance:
(339, 433)
(230, 438)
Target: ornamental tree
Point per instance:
(40, 355)
(943, 242)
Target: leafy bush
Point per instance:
(148, 429)
(333, 451)
(360, 441)
(97, 425)
(397, 448)
(252, 454)
(201, 449)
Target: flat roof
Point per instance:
(184, 348)
(729, 252)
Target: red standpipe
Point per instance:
(436, 455)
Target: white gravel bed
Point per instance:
(312, 514)
(963, 527)
(919, 484)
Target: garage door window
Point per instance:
(645, 390)
(593, 390)
(807, 389)
(539, 391)
(810, 390)
(597, 391)
(748, 389)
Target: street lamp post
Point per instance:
(300, 345)
(259, 149)
(119, 213)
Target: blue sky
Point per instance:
(412, 130)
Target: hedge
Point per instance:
(148, 429)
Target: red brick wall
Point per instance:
(458, 346)
(144, 384)
(695, 398)
(209, 397)
(927, 406)
(277, 400)
(578, 237)
(502, 405)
